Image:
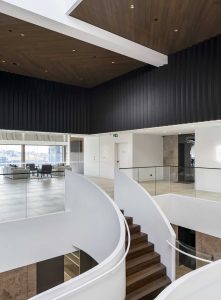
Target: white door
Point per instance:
(122, 155)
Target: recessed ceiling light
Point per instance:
(113, 62)
(3, 61)
(46, 71)
(176, 30)
(155, 19)
(73, 50)
(132, 6)
(22, 34)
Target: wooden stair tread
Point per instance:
(129, 220)
(142, 259)
(136, 235)
(140, 249)
(145, 273)
(153, 287)
(134, 228)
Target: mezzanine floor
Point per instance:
(20, 198)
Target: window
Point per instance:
(10, 154)
(43, 154)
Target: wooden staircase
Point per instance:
(146, 276)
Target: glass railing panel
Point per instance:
(162, 180)
(147, 178)
(45, 193)
(182, 181)
(13, 195)
(131, 172)
(189, 259)
(26, 193)
(208, 183)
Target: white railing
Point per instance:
(136, 202)
(190, 255)
(99, 230)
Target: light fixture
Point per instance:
(176, 30)
(132, 6)
(113, 62)
(3, 61)
(73, 50)
(22, 34)
(46, 71)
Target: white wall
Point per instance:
(201, 284)
(194, 213)
(92, 156)
(138, 203)
(208, 154)
(148, 151)
(99, 154)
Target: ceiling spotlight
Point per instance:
(46, 71)
(73, 50)
(176, 30)
(22, 34)
(113, 62)
(3, 61)
(132, 6)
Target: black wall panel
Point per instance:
(33, 104)
(188, 89)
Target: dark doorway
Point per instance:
(187, 241)
(186, 160)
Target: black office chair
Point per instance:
(45, 170)
(31, 167)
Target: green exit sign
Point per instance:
(115, 135)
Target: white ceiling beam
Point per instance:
(51, 14)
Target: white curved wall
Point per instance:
(92, 223)
(136, 202)
(201, 284)
(193, 213)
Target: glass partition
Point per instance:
(26, 193)
(189, 181)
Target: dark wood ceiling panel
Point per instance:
(34, 51)
(154, 23)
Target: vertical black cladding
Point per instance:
(39, 105)
(188, 89)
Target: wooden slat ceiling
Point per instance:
(31, 50)
(163, 25)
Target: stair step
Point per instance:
(145, 276)
(149, 291)
(139, 263)
(138, 237)
(134, 228)
(140, 249)
(129, 220)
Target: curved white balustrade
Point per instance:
(201, 284)
(138, 203)
(92, 222)
(98, 229)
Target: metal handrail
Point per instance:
(187, 254)
(170, 166)
(105, 273)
